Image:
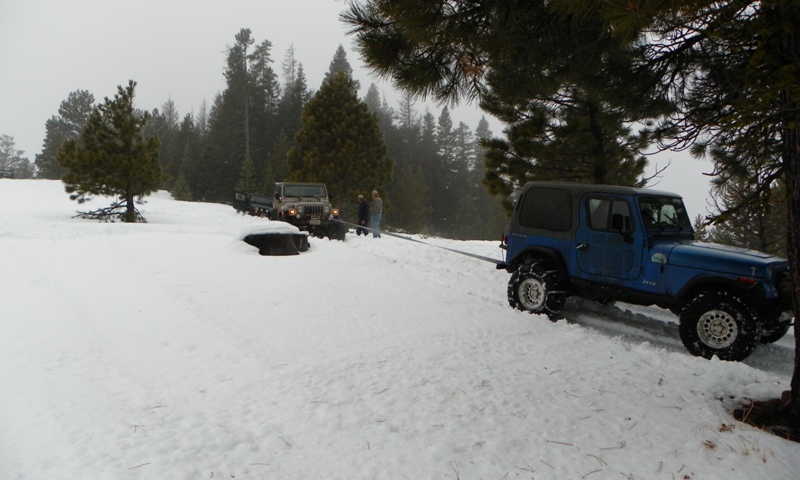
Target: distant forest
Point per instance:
(246, 139)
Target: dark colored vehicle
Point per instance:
(7, 172)
(252, 204)
(637, 246)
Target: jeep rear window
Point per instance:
(547, 208)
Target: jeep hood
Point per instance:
(724, 259)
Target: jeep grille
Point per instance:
(313, 209)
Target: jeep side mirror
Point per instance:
(330, 196)
(278, 197)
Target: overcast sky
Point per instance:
(172, 48)
(177, 49)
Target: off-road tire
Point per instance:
(721, 324)
(535, 288)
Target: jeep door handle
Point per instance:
(583, 247)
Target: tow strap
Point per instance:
(468, 254)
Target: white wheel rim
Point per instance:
(531, 294)
(717, 329)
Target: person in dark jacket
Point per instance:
(363, 216)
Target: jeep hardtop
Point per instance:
(611, 243)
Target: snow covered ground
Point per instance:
(172, 350)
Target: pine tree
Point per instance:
(411, 207)
(294, 97)
(243, 121)
(447, 177)
(734, 68)
(340, 64)
(278, 169)
(112, 158)
(12, 158)
(340, 143)
(562, 82)
(247, 177)
(265, 94)
(757, 225)
(181, 190)
(72, 115)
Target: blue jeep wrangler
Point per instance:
(637, 245)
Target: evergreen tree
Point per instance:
(294, 97)
(279, 169)
(265, 94)
(112, 158)
(492, 217)
(702, 232)
(757, 225)
(181, 190)
(340, 143)
(171, 151)
(12, 158)
(247, 177)
(734, 67)
(521, 59)
(190, 137)
(340, 64)
(243, 121)
(72, 115)
(379, 107)
(410, 201)
(448, 180)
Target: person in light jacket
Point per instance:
(376, 212)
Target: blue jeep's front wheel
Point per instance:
(535, 289)
(721, 324)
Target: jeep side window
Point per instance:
(611, 215)
(546, 208)
(598, 213)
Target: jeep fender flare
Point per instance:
(750, 292)
(532, 254)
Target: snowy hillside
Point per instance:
(172, 350)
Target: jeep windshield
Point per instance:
(664, 213)
(304, 191)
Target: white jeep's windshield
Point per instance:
(304, 191)
(664, 213)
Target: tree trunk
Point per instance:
(794, 254)
(792, 159)
(130, 209)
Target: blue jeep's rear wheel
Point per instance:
(721, 324)
(535, 289)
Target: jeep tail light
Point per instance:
(504, 242)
